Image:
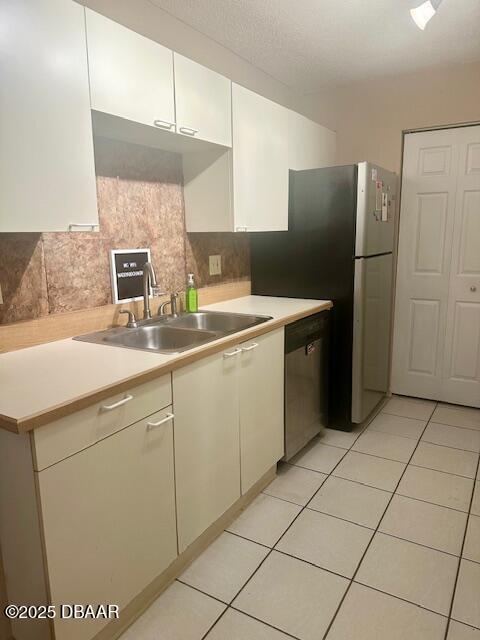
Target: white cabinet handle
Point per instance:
(115, 405)
(152, 425)
(253, 346)
(83, 225)
(163, 124)
(230, 354)
(188, 131)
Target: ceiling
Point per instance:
(311, 44)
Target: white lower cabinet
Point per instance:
(100, 520)
(109, 520)
(261, 394)
(207, 450)
(229, 429)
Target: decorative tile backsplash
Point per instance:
(140, 202)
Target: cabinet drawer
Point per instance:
(75, 432)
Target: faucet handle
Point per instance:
(174, 303)
(132, 321)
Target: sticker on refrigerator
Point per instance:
(384, 207)
(378, 196)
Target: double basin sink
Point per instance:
(169, 334)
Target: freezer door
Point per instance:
(376, 202)
(371, 333)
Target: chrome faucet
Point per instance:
(173, 305)
(149, 280)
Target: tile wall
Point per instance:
(140, 201)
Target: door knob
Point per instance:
(473, 288)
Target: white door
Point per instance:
(461, 383)
(436, 334)
(203, 102)
(261, 412)
(260, 162)
(47, 169)
(130, 76)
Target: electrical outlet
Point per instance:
(215, 265)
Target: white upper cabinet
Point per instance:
(203, 101)
(47, 171)
(260, 162)
(130, 75)
(245, 188)
(310, 145)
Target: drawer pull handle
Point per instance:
(253, 346)
(83, 225)
(152, 425)
(188, 131)
(115, 405)
(230, 354)
(163, 124)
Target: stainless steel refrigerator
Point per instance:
(339, 246)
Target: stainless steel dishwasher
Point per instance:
(306, 380)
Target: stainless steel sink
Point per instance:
(167, 334)
(157, 337)
(224, 323)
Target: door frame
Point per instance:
(439, 127)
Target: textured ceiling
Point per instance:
(310, 44)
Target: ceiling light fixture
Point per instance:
(422, 14)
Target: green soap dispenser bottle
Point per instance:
(192, 295)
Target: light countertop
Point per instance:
(45, 382)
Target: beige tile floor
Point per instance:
(365, 536)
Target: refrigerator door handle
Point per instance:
(357, 347)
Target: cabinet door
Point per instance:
(260, 162)
(47, 171)
(261, 406)
(207, 452)
(203, 101)
(130, 76)
(109, 520)
(429, 185)
(310, 145)
(461, 373)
